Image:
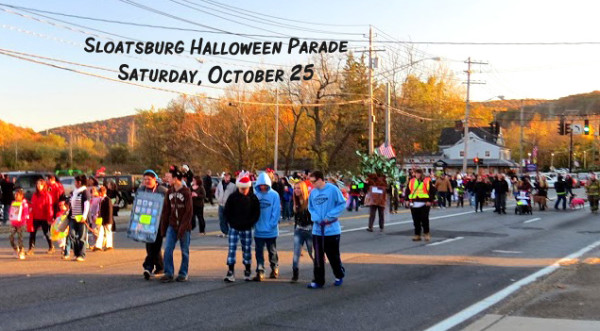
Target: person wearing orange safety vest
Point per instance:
(420, 195)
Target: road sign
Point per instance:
(577, 128)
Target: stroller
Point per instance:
(523, 203)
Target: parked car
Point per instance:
(68, 183)
(27, 180)
(126, 186)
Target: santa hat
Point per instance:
(243, 182)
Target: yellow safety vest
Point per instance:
(420, 190)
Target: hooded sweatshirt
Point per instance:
(326, 205)
(270, 209)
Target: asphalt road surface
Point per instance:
(392, 283)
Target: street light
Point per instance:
(551, 161)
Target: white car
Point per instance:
(68, 183)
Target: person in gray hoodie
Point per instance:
(225, 188)
(266, 229)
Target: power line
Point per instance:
(246, 11)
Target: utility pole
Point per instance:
(371, 117)
(276, 153)
(388, 140)
(467, 110)
(571, 151)
(70, 148)
(521, 141)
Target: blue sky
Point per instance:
(41, 97)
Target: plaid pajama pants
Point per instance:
(246, 239)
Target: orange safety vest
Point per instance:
(419, 191)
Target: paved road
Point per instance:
(392, 283)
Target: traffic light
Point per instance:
(586, 127)
(568, 128)
(561, 127)
(476, 160)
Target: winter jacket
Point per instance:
(106, 211)
(200, 195)
(500, 186)
(177, 212)
(326, 205)
(561, 187)
(270, 209)
(7, 192)
(41, 207)
(242, 211)
(19, 215)
(480, 189)
(288, 193)
(224, 191)
(592, 187)
(302, 219)
(56, 190)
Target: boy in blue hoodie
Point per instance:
(325, 205)
(266, 229)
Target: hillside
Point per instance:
(111, 131)
(10, 132)
(573, 105)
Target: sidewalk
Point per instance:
(568, 299)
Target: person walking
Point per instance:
(224, 189)
(376, 200)
(419, 195)
(266, 229)
(42, 215)
(80, 207)
(500, 187)
(56, 191)
(198, 195)
(480, 190)
(354, 197)
(7, 187)
(302, 227)
(242, 211)
(592, 188)
(561, 192)
(287, 205)
(325, 204)
(19, 217)
(207, 182)
(153, 263)
(176, 225)
(443, 188)
(105, 222)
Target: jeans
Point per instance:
(301, 237)
(441, 197)
(420, 218)
(77, 232)
(259, 244)
(222, 221)
(5, 212)
(354, 201)
(564, 201)
(154, 258)
(184, 245)
(287, 209)
(329, 245)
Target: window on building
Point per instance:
(462, 153)
(487, 153)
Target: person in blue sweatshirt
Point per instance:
(325, 205)
(266, 229)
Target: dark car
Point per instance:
(126, 186)
(27, 180)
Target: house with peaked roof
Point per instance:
(482, 144)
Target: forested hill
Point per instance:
(574, 105)
(111, 131)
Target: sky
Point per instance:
(41, 97)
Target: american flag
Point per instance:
(387, 151)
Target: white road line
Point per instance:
(506, 252)
(493, 299)
(532, 220)
(445, 241)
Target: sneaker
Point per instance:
(260, 276)
(16, 253)
(314, 285)
(370, 229)
(66, 257)
(95, 249)
(230, 277)
(416, 238)
(427, 237)
(50, 250)
(294, 275)
(274, 274)
(247, 276)
(80, 259)
(338, 282)
(30, 251)
(108, 249)
(181, 279)
(166, 279)
(22, 256)
(158, 273)
(146, 275)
